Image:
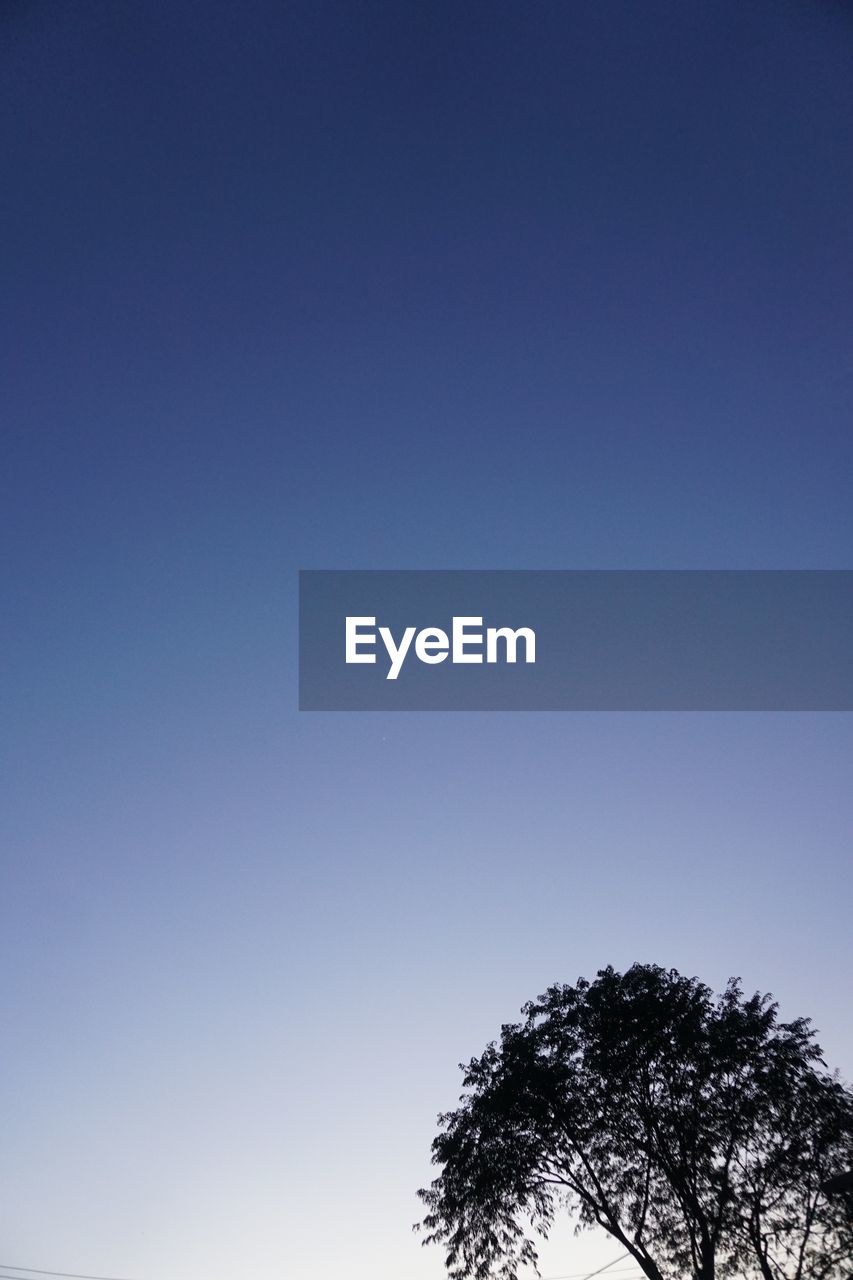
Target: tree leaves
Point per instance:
(695, 1129)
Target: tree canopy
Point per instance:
(696, 1129)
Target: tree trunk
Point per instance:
(648, 1268)
(707, 1266)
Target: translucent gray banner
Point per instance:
(576, 640)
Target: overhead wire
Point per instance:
(584, 1275)
(65, 1275)
(7, 1267)
(580, 1275)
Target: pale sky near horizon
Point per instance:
(332, 285)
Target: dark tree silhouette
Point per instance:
(695, 1129)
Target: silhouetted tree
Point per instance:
(786, 1226)
(694, 1129)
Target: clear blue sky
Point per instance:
(385, 285)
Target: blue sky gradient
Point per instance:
(378, 286)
